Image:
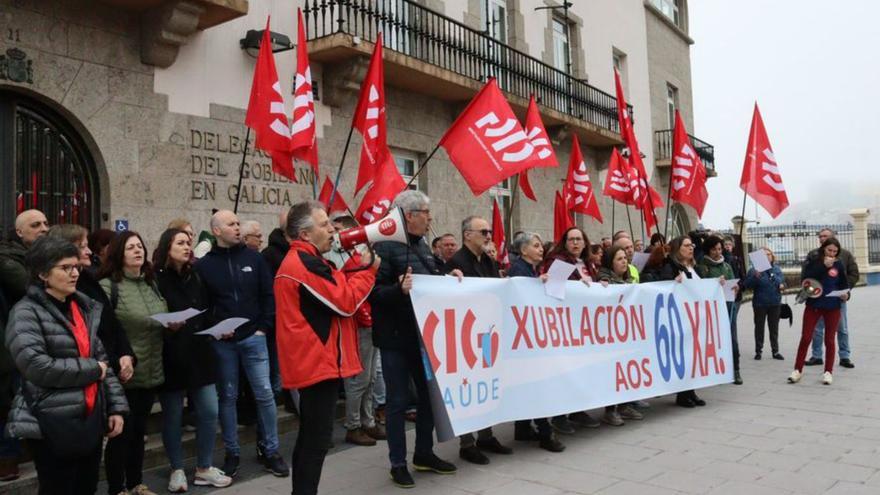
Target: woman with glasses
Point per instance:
(119, 351)
(128, 281)
(69, 396)
(678, 265)
(713, 265)
(766, 303)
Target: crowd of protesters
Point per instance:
(84, 360)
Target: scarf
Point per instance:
(81, 334)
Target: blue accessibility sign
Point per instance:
(121, 225)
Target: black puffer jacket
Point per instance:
(668, 270)
(276, 250)
(394, 321)
(46, 355)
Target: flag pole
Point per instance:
(629, 219)
(423, 165)
(742, 224)
(247, 138)
(613, 208)
(513, 203)
(668, 205)
(341, 164)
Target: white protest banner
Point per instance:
(500, 350)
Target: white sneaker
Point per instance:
(212, 477)
(795, 376)
(177, 483)
(827, 378)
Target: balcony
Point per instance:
(663, 151)
(431, 54)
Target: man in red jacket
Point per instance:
(317, 336)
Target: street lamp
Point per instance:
(252, 39)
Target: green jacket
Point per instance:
(137, 300)
(13, 274)
(606, 275)
(706, 268)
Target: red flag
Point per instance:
(19, 203)
(486, 143)
(632, 154)
(578, 190)
(265, 113)
(498, 236)
(303, 135)
(761, 178)
(385, 188)
(562, 220)
(369, 118)
(326, 191)
(541, 141)
(617, 182)
(688, 181)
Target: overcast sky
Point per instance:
(813, 68)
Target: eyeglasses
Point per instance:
(485, 232)
(68, 269)
(689, 244)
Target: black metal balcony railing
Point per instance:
(704, 150)
(424, 34)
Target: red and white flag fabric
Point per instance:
(541, 141)
(381, 194)
(486, 143)
(303, 135)
(562, 219)
(688, 183)
(578, 190)
(266, 114)
(761, 178)
(369, 119)
(498, 236)
(617, 182)
(326, 192)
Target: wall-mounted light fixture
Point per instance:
(251, 42)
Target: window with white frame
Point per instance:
(561, 47)
(618, 59)
(495, 20)
(407, 164)
(501, 194)
(669, 8)
(671, 103)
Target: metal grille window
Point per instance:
(49, 166)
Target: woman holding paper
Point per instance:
(712, 265)
(766, 302)
(128, 281)
(188, 363)
(119, 352)
(831, 273)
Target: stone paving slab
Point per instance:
(763, 437)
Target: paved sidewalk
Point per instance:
(765, 437)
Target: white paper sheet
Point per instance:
(640, 260)
(760, 261)
(225, 327)
(837, 293)
(176, 317)
(557, 275)
(728, 286)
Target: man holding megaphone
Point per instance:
(316, 332)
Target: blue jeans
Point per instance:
(398, 367)
(254, 357)
(842, 336)
(205, 403)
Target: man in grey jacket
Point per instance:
(852, 278)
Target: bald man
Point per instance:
(29, 225)
(239, 285)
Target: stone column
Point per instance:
(739, 223)
(860, 238)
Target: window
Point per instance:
(496, 22)
(501, 194)
(561, 49)
(669, 8)
(407, 164)
(671, 103)
(619, 60)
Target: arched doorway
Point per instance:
(679, 223)
(45, 165)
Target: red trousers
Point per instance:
(811, 317)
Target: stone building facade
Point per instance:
(130, 113)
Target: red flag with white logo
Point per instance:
(327, 191)
(498, 236)
(541, 141)
(617, 182)
(381, 194)
(578, 190)
(369, 118)
(265, 113)
(632, 154)
(688, 184)
(486, 143)
(303, 135)
(562, 220)
(761, 178)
